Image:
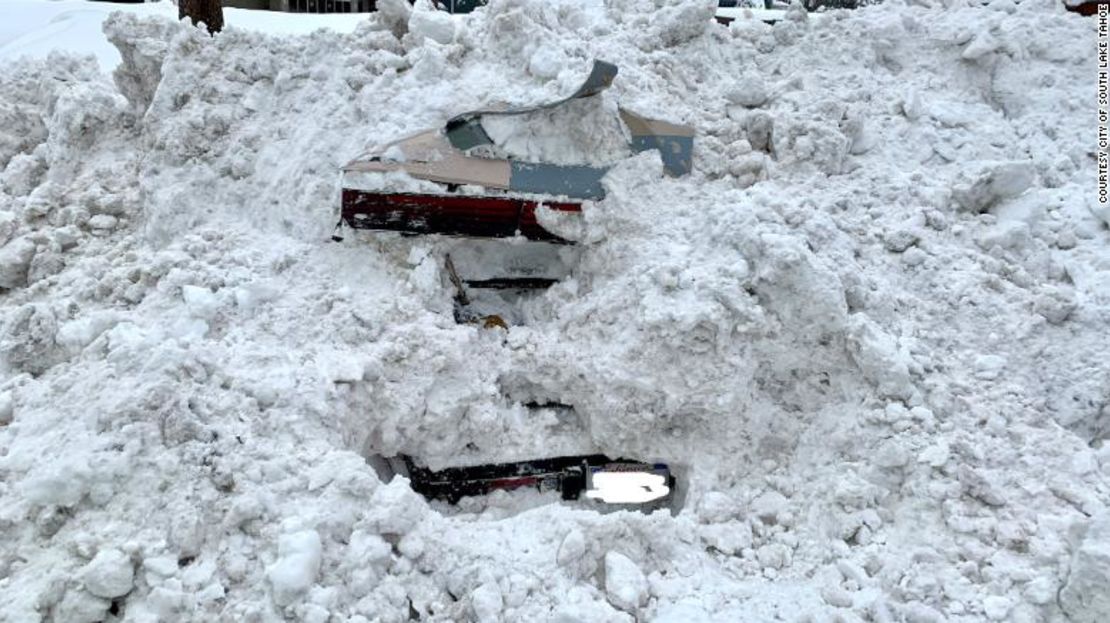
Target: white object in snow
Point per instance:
(627, 487)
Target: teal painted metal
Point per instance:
(580, 182)
(461, 128)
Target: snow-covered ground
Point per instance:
(869, 330)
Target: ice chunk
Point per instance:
(298, 563)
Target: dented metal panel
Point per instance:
(581, 182)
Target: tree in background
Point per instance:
(208, 11)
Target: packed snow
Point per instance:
(868, 332)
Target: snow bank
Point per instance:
(869, 329)
(33, 29)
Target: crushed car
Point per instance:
(454, 187)
(513, 189)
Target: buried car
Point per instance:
(509, 192)
(606, 483)
(453, 181)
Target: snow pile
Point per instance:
(868, 330)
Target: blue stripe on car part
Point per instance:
(579, 181)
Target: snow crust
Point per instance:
(868, 332)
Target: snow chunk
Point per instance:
(1006, 235)
(978, 486)
(109, 575)
(979, 47)
(162, 566)
(103, 222)
(426, 22)
(15, 259)
(1055, 303)
(935, 455)
(625, 585)
(749, 91)
(63, 483)
(80, 607)
(679, 21)
(891, 454)
(879, 357)
(29, 341)
(682, 612)
(7, 408)
(252, 295)
(716, 507)
(487, 602)
(22, 174)
(768, 506)
(797, 140)
(298, 563)
(997, 607)
(730, 537)
(396, 508)
(547, 62)
(982, 188)
(989, 367)
(1084, 597)
(202, 302)
(572, 548)
(836, 596)
(79, 333)
(1101, 211)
